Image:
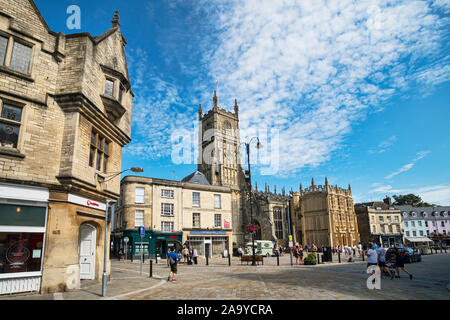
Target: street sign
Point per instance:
(291, 244)
(142, 231)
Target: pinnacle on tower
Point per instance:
(275, 191)
(236, 107)
(215, 101)
(256, 186)
(312, 182)
(199, 111)
(116, 20)
(326, 181)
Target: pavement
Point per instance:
(218, 281)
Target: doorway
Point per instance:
(87, 246)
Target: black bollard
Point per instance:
(156, 258)
(339, 256)
(363, 255)
(207, 260)
(151, 268)
(131, 257)
(441, 249)
(318, 258)
(445, 249)
(278, 259)
(229, 259)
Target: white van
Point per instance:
(262, 247)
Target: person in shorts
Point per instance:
(400, 263)
(296, 254)
(172, 258)
(382, 260)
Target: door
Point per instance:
(87, 252)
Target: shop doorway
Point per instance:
(87, 246)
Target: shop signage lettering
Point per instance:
(17, 254)
(86, 202)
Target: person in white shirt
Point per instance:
(359, 249)
(372, 256)
(382, 260)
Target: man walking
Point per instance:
(172, 260)
(195, 255)
(382, 260)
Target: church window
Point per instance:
(278, 222)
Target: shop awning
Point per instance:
(418, 239)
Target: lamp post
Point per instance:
(247, 146)
(108, 202)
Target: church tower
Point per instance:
(219, 158)
(219, 145)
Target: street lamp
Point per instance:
(113, 202)
(247, 146)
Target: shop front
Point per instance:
(152, 244)
(211, 243)
(22, 237)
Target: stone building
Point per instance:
(325, 216)
(173, 213)
(221, 163)
(271, 213)
(65, 114)
(380, 222)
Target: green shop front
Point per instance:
(152, 244)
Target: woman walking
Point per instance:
(296, 254)
(301, 254)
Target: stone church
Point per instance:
(325, 216)
(220, 161)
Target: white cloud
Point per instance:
(384, 145)
(314, 68)
(439, 194)
(409, 166)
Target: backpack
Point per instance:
(172, 260)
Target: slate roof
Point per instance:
(197, 177)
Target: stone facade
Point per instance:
(70, 132)
(325, 216)
(379, 222)
(186, 216)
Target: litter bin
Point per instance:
(327, 254)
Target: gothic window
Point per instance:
(278, 222)
(99, 152)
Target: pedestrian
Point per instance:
(301, 254)
(239, 252)
(121, 254)
(354, 250)
(172, 261)
(296, 253)
(185, 254)
(381, 252)
(372, 255)
(281, 251)
(194, 255)
(400, 263)
(360, 249)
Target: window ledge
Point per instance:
(13, 152)
(15, 73)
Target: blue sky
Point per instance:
(357, 91)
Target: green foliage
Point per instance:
(408, 199)
(310, 259)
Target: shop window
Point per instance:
(10, 122)
(167, 209)
(20, 252)
(23, 216)
(217, 202)
(140, 195)
(139, 218)
(196, 199)
(196, 220)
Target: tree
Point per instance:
(409, 199)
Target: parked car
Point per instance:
(409, 255)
